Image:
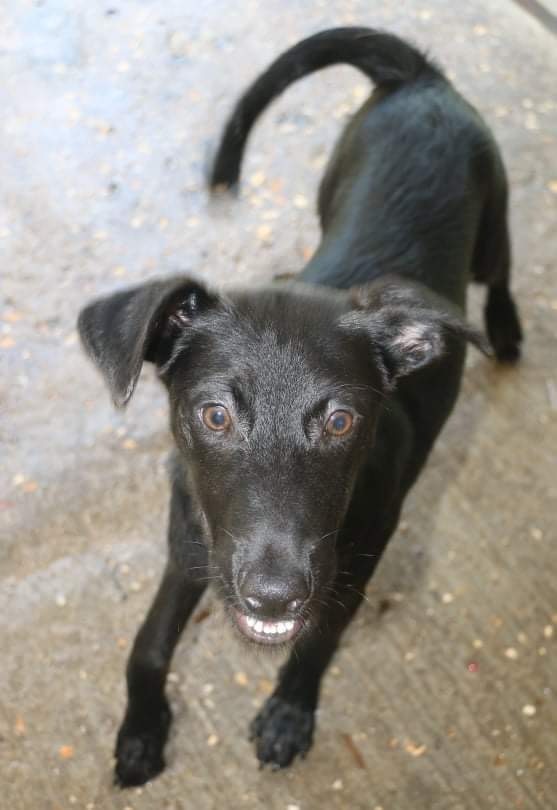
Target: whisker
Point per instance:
(328, 534)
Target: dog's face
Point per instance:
(275, 396)
(274, 409)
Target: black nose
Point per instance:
(272, 596)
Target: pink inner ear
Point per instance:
(413, 336)
(182, 311)
(179, 318)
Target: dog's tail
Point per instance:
(384, 58)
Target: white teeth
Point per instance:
(269, 628)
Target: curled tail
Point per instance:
(384, 58)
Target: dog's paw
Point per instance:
(281, 732)
(139, 747)
(503, 326)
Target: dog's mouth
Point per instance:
(268, 632)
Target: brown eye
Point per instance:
(216, 417)
(339, 423)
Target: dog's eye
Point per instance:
(216, 417)
(339, 423)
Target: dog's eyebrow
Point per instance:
(330, 399)
(360, 387)
(221, 386)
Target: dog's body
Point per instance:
(304, 411)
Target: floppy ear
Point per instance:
(410, 326)
(122, 330)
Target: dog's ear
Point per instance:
(409, 326)
(142, 323)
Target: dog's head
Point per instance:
(275, 395)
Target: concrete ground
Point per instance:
(443, 696)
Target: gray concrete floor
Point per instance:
(446, 701)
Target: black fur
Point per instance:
(274, 499)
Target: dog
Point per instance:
(304, 410)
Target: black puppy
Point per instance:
(304, 411)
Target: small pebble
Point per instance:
(264, 232)
(536, 533)
(61, 600)
(511, 653)
(212, 740)
(179, 43)
(337, 784)
(447, 598)
(415, 750)
(19, 726)
(241, 678)
(529, 710)
(477, 644)
(548, 631)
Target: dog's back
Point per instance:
(416, 185)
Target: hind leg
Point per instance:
(492, 266)
(503, 324)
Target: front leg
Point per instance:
(143, 733)
(284, 727)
